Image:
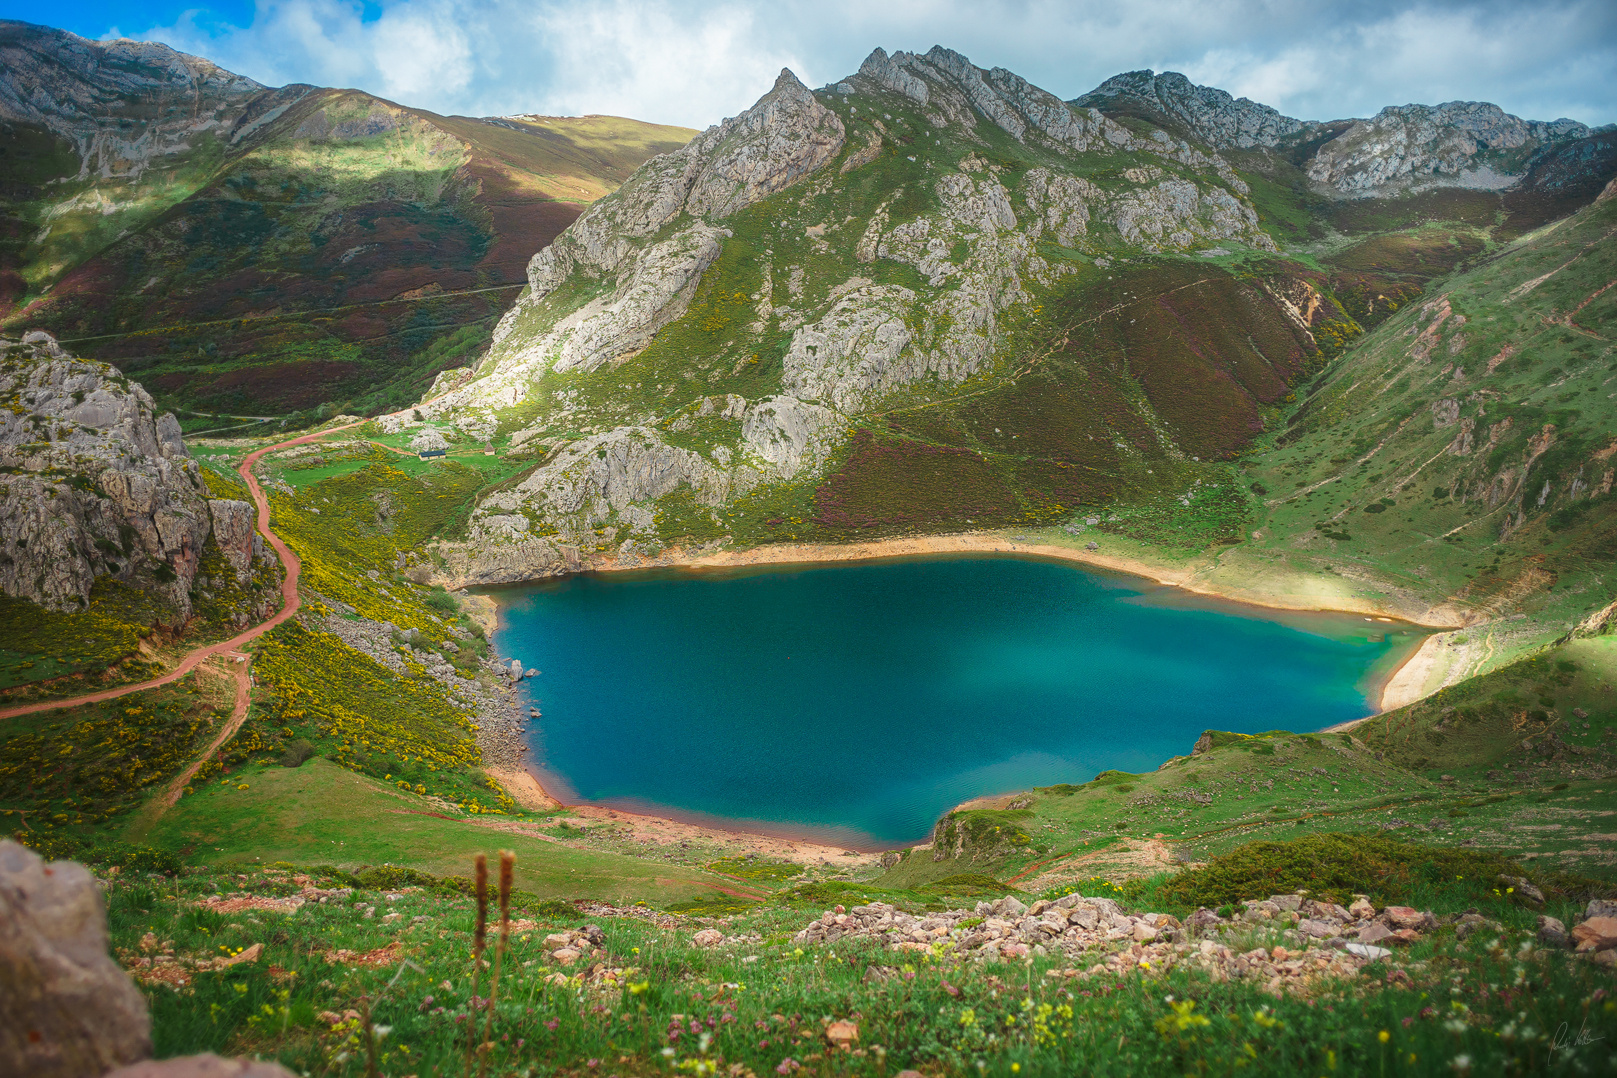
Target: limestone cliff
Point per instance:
(94, 483)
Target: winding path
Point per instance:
(289, 606)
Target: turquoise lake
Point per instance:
(856, 703)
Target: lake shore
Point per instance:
(535, 790)
(1398, 686)
(1190, 578)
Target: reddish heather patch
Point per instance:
(887, 484)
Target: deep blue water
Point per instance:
(860, 702)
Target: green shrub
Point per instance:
(133, 858)
(296, 753)
(393, 877)
(970, 885)
(1335, 865)
(708, 905)
(51, 845)
(772, 871)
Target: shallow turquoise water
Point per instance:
(860, 702)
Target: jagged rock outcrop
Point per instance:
(124, 104)
(67, 1009)
(1456, 144)
(96, 483)
(1216, 117)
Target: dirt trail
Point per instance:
(171, 793)
(289, 603)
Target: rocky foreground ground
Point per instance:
(374, 974)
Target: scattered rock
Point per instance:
(1521, 890)
(1374, 932)
(1472, 923)
(1368, 951)
(67, 1010)
(206, 1065)
(842, 1034)
(1600, 907)
(1405, 917)
(708, 937)
(1596, 934)
(1552, 932)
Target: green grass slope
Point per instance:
(1464, 450)
(321, 813)
(346, 250)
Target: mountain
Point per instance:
(267, 250)
(932, 297)
(1402, 149)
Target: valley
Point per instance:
(320, 410)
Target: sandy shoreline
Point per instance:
(1400, 686)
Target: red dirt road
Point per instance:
(289, 606)
(238, 715)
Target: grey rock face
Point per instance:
(234, 530)
(123, 104)
(1403, 148)
(431, 438)
(67, 1009)
(791, 435)
(783, 138)
(1412, 147)
(856, 352)
(1219, 119)
(94, 482)
(880, 67)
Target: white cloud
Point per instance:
(689, 63)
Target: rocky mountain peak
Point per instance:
(1213, 115)
(880, 68)
(1472, 144)
(787, 134)
(122, 104)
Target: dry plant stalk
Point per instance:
(508, 864)
(479, 936)
(370, 1039)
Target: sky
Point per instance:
(693, 64)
